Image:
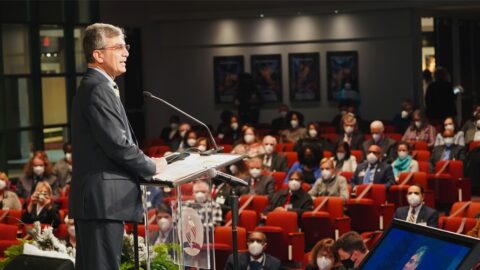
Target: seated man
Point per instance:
(164, 220)
(351, 250)
(416, 211)
(258, 184)
(448, 151)
(331, 183)
(273, 161)
(255, 258)
(388, 145)
(202, 197)
(373, 169)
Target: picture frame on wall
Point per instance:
(226, 74)
(267, 75)
(342, 76)
(304, 76)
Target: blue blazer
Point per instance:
(426, 215)
(383, 174)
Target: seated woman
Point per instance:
(8, 199)
(420, 130)
(295, 128)
(330, 183)
(343, 160)
(41, 207)
(449, 124)
(188, 141)
(248, 144)
(473, 133)
(323, 256)
(70, 240)
(312, 136)
(404, 161)
(309, 157)
(202, 144)
(37, 170)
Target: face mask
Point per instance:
(309, 160)
(249, 138)
(202, 148)
(268, 149)
(294, 123)
(414, 200)
(255, 172)
(283, 113)
(404, 114)
(3, 184)
(234, 126)
(164, 224)
(348, 263)
(38, 170)
(372, 158)
(376, 137)
(200, 197)
(326, 174)
(233, 169)
(402, 154)
(450, 127)
(448, 141)
(340, 156)
(255, 248)
(418, 124)
(68, 157)
(294, 185)
(191, 142)
(71, 231)
(173, 125)
(183, 133)
(313, 133)
(324, 263)
(348, 129)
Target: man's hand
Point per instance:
(160, 164)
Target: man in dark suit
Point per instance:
(107, 160)
(273, 161)
(255, 258)
(417, 212)
(373, 169)
(389, 146)
(258, 184)
(448, 151)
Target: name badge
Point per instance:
(288, 206)
(220, 200)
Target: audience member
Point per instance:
(440, 100)
(239, 169)
(255, 258)
(233, 132)
(221, 192)
(258, 184)
(471, 122)
(448, 151)
(402, 120)
(8, 199)
(202, 144)
(165, 223)
(337, 119)
(350, 133)
(295, 127)
(281, 122)
(248, 144)
(224, 126)
(404, 161)
(38, 169)
(388, 145)
(373, 169)
(312, 136)
(179, 141)
(155, 195)
(330, 183)
(249, 100)
(351, 250)
(41, 207)
(273, 161)
(63, 167)
(70, 240)
(343, 160)
(323, 257)
(309, 157)
(202, 199)
(473, 133)
(188, 141)
(171, 131)
(420, 130)
(416, 211)
(449, 124)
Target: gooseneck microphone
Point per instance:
(216, 148)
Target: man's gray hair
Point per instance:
(94, 38)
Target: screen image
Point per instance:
(402, 249)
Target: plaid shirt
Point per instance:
(215, 216)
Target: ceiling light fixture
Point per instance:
(261, 15)
(335, 11)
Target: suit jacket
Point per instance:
(356, 142)
(383, 174)
(389, 148)
(107, 161)
(426, 215)
(63, 173)
(25, 185)
(264, 186)
(46, 216)
(271, 263)
(457, 152)
(279, 163)
(300, 201)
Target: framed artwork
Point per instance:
(267, 75)
(304, 75)
(342, 75)
(226, 72)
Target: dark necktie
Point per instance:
(254, 265)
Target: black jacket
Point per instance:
(426, 215)
(271, 263)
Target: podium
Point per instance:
(193, 222)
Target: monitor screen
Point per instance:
(410, 246)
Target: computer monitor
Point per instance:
(410, 246)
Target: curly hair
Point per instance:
(28, 169)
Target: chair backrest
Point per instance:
(348, 175)
(472, 145)
(419, 178)
(454, 168)
(13, 217)
(424, 166)
(334, 205)
(395, 136)
(157, 151)
(421, 155)
(258, 204)
(358, 154)
(227, 148)
(292, 157)
(420, 145)
(471, 211)
(248, 219)
(453, 224)
(8, 232)
(288, 147)
(377, 193)
(286, 220)
(332, 137)
(279, 178)
(223, 235)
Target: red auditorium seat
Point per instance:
(288, 147)
(292, 157)
(227, 148)
(157, 151)
(420, 145)
(258, 204)
(152, 142)
(62, 202)
(13, 217)
(473, 145)
(327, 154)
(223, 235)
(332, 137)
(8, 232)
(371, 238)
(358, 154)
(247, 219)
(470, 209)
(449, 185)
(421, 155)
(397, 194)
(279, 178)
(4, 244)
(395, 136)
(457, 224)
(347, 175)
(152, 229)
(327, 129)
(424, 166)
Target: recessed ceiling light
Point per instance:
(261, 15)
(335, 11)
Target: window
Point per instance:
(15, 49)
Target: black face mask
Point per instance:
(348, 263)
(310, 160)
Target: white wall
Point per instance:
(178, 59)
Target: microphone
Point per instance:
(216, 148)
(232, 180)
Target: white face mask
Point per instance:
(324, 263)
(404, 114)
(191, 142)
(372, 158)
(376, 137)
(234, 126)
(249, 138)
(202, 148)
(255, 248)
(71, 231)
(313, 133)
(449, 127)
(3, 184)
(268, 149)
(164, 224)
(294, 185)
(402, 154)
(348, 129)
(418, 124)
(448, 141)
(183, 133)
(414, 200)
(340, 156)
(38, 170)
(326, 174)
(233, 169)
(255, 172)
(294, 123)
(68, 157)
(200, 197)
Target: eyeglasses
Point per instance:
(117, 47)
